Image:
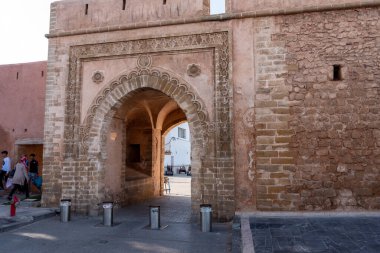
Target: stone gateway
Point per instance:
(282, 100)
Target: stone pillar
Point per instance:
(275, 162)
(156, 160)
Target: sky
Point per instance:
(24, 23)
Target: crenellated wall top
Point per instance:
(292, 5)
(68, 15)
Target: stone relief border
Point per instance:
(220, 41)
(144, 78)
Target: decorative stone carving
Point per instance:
(74, 132)
(84, 139)
(193, 70)
(98, 77)
(144, 61)
(248, 117)
(127, 82)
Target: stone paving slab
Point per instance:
(316, 235)
(83, 234)
(24, 216)
(28, 232)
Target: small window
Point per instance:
(182, 133)
(164, 2)
(86, 10)
(17, 75)
(124, 4)
(217, 6)
(337, 75)
(42, 73)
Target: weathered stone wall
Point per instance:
(114, 173)
(22, 90)
(290, 6)
(301, 140)
(84, 14)
(317, 138)
(75, 156)
(273, 157)
(244, 97)
(335, 124)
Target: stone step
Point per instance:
(30, 203)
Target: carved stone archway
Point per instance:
(105, 105)
(213, 137)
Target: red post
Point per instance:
(13, 205)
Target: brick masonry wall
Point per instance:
(274, 159)
(53, 127)
(316, 141)
(336, 123)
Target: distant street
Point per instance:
(180, 185)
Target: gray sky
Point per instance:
(24, 23)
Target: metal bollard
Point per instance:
(206, 217)
(154, 217)
(65, 208)
(108, 214)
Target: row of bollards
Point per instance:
(154, 215)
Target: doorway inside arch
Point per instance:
(134, 160)
(177, 161)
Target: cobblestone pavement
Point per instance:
(316, 235)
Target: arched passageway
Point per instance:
(192, 70)
(134, 167)
(122, 138)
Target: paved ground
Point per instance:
(85, 234)
(40, 230)
(180, 185)
(316, 235)
(130, 234)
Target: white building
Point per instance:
(178, 147)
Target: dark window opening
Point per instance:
(86, 11)
(42, 73)
(17, 76)
(124, 3)
(134, 153)
(181, 133)
(164, 1)
(337, 75)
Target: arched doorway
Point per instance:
(192, 69)
(133, 146)
(137, 107)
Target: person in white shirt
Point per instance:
(5, 168)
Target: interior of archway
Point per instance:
(177, 160)
(134, 169)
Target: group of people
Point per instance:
(20, 177)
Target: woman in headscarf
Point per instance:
(19, 178)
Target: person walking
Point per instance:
(33, 170)
(6, 167)
(19, 178)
